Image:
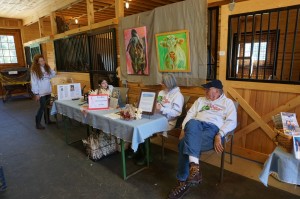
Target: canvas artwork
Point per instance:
(136, 51)
(173, 51)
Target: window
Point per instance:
(254, 55)
(8, 54)
(264, 46)
(11, 54)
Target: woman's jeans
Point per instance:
(43, 103)
(199, 136)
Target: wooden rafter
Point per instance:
(90, 11)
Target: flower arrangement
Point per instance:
(130, 113)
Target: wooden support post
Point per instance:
(119, 8)
(41, 27)
(53, 23)
(90, 11)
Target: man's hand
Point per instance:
(181, 134)
(37, 98)
(218, 144)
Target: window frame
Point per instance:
(16, 33)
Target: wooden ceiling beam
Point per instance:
(90, 11)
(119, 8)
(41, 27)
(53, 23)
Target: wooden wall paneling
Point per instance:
(82, 78)
(286, 106)
(252, 113)
(250, 154)
(31, 32)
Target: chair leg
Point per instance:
(162, 147)
(231, 149)
(222, 162)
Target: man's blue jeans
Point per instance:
(199, 136)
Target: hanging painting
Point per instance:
(173, 51)
(136, 51)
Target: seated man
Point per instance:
(206, 123)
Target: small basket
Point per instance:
(284, 140)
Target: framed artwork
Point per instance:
(147, 101)
(135, 40)
(173, 51)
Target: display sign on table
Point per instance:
(98, 102)
(69, 91)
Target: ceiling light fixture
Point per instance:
(126, 4)
(231, 5)
(76, 21)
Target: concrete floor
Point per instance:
(39, 164)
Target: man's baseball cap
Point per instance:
(214, 83)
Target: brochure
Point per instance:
(296, 143)
(290, 124)
(69, 91)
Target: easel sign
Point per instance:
(147, 101)
(98, 102)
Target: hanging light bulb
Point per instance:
(76, 21)
(126, 4)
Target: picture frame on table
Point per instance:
(147, 101)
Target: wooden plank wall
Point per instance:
(258, 101)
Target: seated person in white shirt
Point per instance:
(170, 103)
(207, 122)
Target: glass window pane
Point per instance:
(4, 45)
(12, 53)
(6, 52)
(3, 38)
(7, 60)
(10, 39)
(11, 46)
(1, 53)
(1, 60)
(14, 60)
